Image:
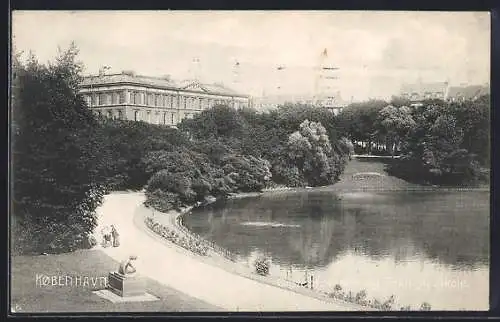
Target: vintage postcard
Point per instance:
(249, 161)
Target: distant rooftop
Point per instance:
(433, 87)
(468, 92)
(129, 77)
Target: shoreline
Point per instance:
(333, 188)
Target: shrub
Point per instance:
(425, 307)
(262, 266)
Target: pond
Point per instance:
(420, 246)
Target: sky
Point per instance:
(375, 51)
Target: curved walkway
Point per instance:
(190, 276)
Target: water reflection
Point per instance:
(385, 234)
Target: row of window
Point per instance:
(425, 95)
(118, 114)
(157, 100)
(166, 118)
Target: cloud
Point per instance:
(375, 50)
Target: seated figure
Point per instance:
(126, 267)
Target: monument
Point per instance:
(125, 281)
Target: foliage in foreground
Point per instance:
(361, 298)
(56, 160)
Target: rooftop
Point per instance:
(425, 87)
(468, 92)
(160, 82)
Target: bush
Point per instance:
(90, 242)
(262, 266)
(164, 201)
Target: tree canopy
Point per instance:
(56, 158)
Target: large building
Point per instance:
(152, 99)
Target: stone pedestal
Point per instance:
(126, 285)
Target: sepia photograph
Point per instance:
(249, 161)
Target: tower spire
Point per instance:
(325, 75)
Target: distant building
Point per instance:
(154, 99)
(471, 92)
(333, 103)
(422, 91)
(441, 90)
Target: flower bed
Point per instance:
(361, 298)
(210, 244)
(194, 245)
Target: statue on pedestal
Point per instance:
(125, 282)
(126, 266)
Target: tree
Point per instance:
(358, 122)
(219, 121)
(126, 143)
(438, 148)
(56, 160)
(394, 124)
(249, 173)
(310, 151)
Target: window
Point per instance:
(148, 116)
(88, 99)
(137, 98)
(151, 100)
(123, 97)
(100, 99)
(115, 98)
(172, 120)
(177, 101)
(93, 100)
(120, 114)
(107, 98)
(164, 117)
(136, 115)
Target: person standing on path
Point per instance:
(106, 235)
(115, 235)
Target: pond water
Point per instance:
(428, 246)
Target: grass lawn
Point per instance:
(28, 296)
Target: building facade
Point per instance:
(333, 103)
(419, 92)
(471, 92)
(152, 99)
(422, 91)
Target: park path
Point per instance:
(190, 276)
